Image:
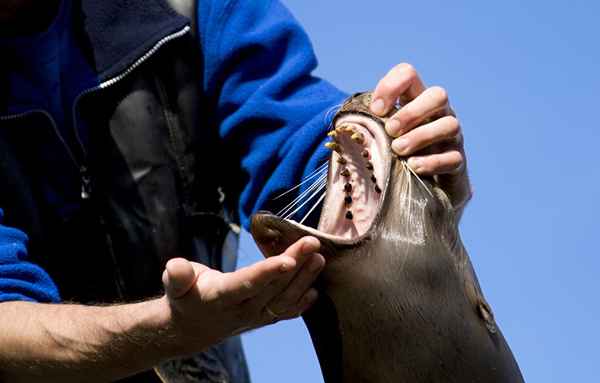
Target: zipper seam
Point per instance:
(114, 80)
(80, 164)
(103, 85)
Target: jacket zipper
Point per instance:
(86, 185)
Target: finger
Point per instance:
(443, 163)
(443, 129)
(306, 302)
(401, 82)
(250, 281)
(432, 102)
(179, 276)
(306, 271)
(297, 288)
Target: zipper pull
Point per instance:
(86, 183)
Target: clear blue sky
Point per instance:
(523, 78)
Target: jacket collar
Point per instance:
(117, 33)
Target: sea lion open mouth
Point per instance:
(399, 300)
(357, 175)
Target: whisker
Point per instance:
(288, 207)
(418, 178)
(314, 174)
(322, 185)
(301, 196)
(313, 208)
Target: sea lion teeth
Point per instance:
(345, 172)
(374, 179)
(341, 160)
(334, 146)
(365, 153)
(349, 215)
(369, 165)
(333, 134)
(377, 189)
(349, 129)
(348, 188)
(348, 200)
(358, 137)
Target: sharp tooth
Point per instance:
(358, 137)
(333, 134)
(365, 153)
(345, 172)
(348, 188)
(369, 166)
(377, 189)
(349, 215)
(341, 160)
(348, 200)
(374, 179)
(349, 129)
(334, 146)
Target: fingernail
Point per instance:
(415, 163)
(393, 127)
(378, 107)
(400, 146)
(315, 265)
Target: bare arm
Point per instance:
(81, 343)
(74, 343)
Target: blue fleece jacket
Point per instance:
(257, 72)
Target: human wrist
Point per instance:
(146, 326)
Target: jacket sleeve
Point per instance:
(269, 109)
(21, 280)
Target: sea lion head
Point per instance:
(372, 195)
(398, 298)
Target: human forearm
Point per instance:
(74, 343)
(82, 343)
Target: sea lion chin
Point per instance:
(399, 300)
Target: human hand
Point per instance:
(208, 306)
(425, 129)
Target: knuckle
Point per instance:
(406, 116)
(425, 166)
(436, 164)
(407, 70)
(385, 86)
(456, 158)
(440, 94)
(452, 126)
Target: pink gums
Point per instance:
(366, 194)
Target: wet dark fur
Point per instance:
(401, 304)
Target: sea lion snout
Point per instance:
(274, 235)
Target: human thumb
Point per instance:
(179, 277)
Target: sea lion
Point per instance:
(399, 300)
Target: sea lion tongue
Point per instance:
(399, 301)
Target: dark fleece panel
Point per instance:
(121, 31)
